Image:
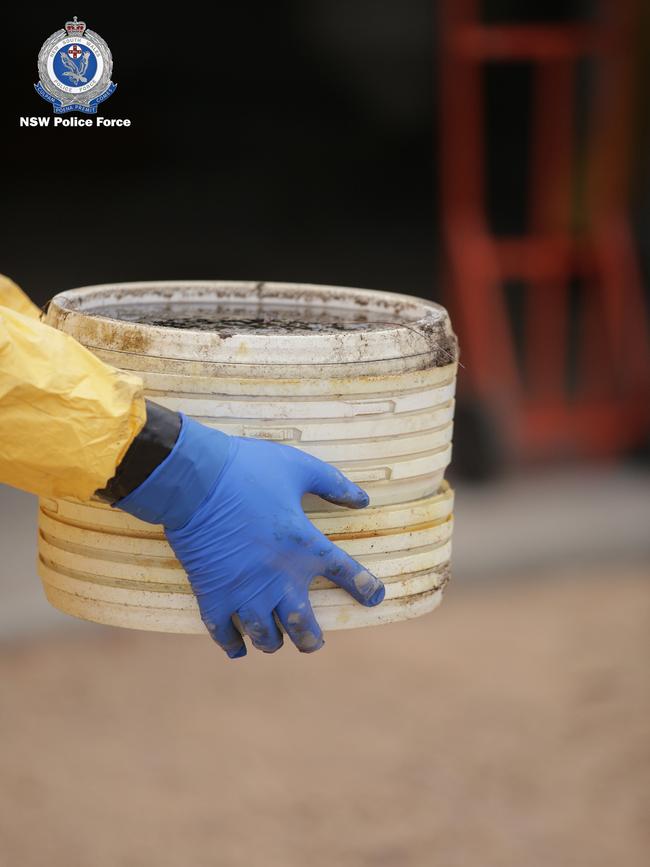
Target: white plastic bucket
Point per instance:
(376, 400)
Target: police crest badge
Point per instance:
(74, 69)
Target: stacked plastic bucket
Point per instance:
(361, 379)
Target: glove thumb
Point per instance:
(330, 484)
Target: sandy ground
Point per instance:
(508, 728)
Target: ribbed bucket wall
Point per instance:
(377, 405)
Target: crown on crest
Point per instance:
(75, 28)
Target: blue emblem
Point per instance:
(74, 69)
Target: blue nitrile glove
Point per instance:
(232, 513)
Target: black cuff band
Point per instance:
(149, 449)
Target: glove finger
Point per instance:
(297, 617)
(261, 629)
(340, 568)
(222, 630)
(330, 484)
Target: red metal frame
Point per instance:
(611, 409)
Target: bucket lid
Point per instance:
(336, 325)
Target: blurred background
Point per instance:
(491, 156)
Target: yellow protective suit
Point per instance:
(66, 418)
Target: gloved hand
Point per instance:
(231, 509)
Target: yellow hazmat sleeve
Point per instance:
(11, 295)
(66, 418)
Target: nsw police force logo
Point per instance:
(74, 69)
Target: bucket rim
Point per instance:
(425, 330)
